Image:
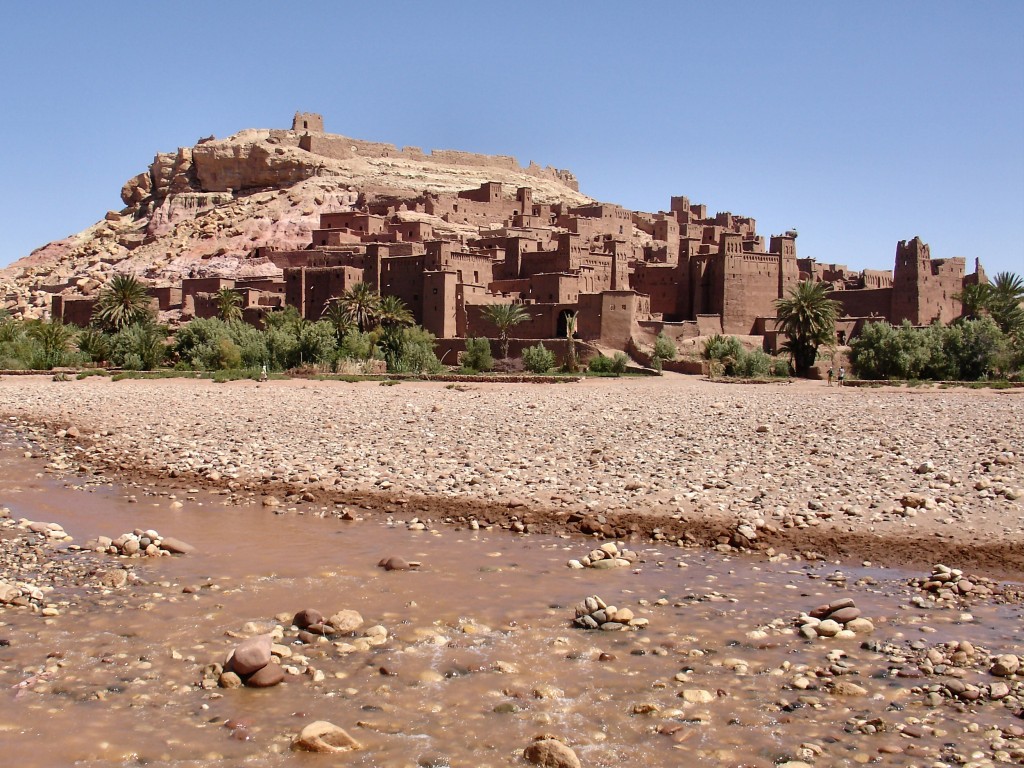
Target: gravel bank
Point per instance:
(890, 473)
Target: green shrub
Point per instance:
(316, 343)
(600, 364)
(603, 364)
(51, 344)
(751, 365)
(250, 342)
(721, 348)
(965, 351)
(410, 350)
(477, 356)
(664, 348)
(780, 367)
(282, 345)
(139, 347)
(538, 359)
(94, 344)
(358, 346)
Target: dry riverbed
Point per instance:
(902, 476)
(634, 644)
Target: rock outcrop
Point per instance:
(203, 210)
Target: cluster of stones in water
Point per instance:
(53, 531)
(954, 660)
(949, 584)
(595, 613)
(140, 543)
(608, 555)
(840, 619)
(262, 661)
(20, 593)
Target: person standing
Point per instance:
(830, 375)
(842, 375)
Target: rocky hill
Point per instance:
(202, 210)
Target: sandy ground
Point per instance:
(894, 475)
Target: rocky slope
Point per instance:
(203, 209)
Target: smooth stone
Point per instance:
(846, 688)
(267, 677)
(230, 680)
(322, 736)
(551, 753)
(251, 654)
(346, 621)
(845, 615)
(307, 616)
(861, 626)
(176, 546)
(697, 696)
(1005, 665)
(828, 628)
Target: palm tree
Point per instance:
(1005, 299)
(361, 303)
(121, 302)
(974, 298)
(808, 317)
(54, 340)
(94, 344)
(337, 316)
(229, 304)
(393, 318)
(392, 312)
(504, 317)
(571, 362)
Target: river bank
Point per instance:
(899, 476)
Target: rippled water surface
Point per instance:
(480, 656)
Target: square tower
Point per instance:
(308, 122)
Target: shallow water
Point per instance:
(480, 656)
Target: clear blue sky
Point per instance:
(859, 124)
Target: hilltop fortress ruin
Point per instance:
(452, 232)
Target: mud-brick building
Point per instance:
(627, 274)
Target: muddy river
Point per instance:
(480, 655)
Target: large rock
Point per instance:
(8, 592)
(346, 621)
(251, 655)
(307, 616)
(266, 677)
(223, 166)
(1006, 665)
(551, 753)
(176, 546)
(322, 736)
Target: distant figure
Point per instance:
(263, 373)
(842, 375)
(830, 376)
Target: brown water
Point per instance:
(480, 655)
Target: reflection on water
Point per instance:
(480, 656)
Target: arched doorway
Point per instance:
(563, 323)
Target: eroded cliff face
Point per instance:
(202, 210)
